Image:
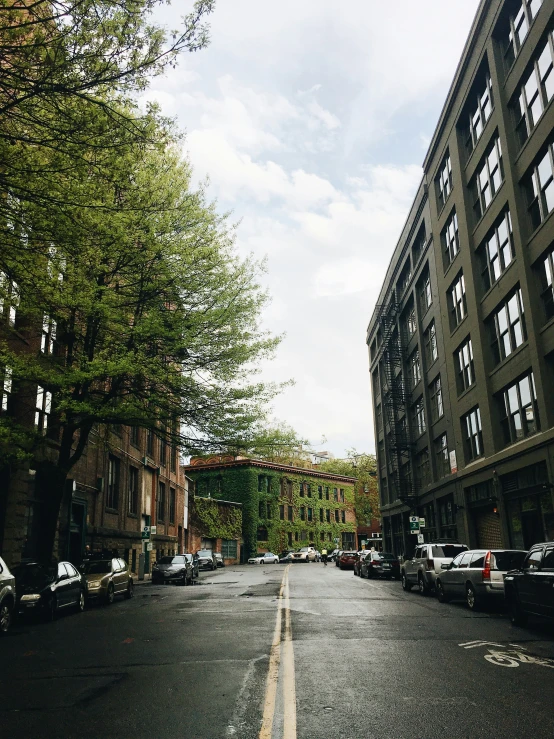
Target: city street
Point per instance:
(351, 659)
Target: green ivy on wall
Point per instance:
(240, 484)
(216, 521)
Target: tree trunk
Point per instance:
(50, 486)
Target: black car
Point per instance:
(177, 568)
(380, 564)
(530, 589)
(206, 559)
(48, 588)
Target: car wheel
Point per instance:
(110, 594)
(130, 590)
(52, 610)
(81, 602)
(518, 617)
(405, 584)
(5, 617)
(341, 567)
(441, 595)
(423, 590)
(471, 598)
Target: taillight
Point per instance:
(487, 567)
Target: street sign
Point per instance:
(421, 523)
(420, 538)
(149, 546)
(153, 529)
(453, 462)
(146, 532)
(414, 525)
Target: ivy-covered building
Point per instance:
(216, 525)
(283, 507)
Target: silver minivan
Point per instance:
(422, 569)
(477, 575)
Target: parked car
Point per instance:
(46, 589)
(477, 575)
(338, 553)
(265, 558)
(285, 557)
(530, 589)
(206, 559)
(380, 564)
(7, 597)
(219, 559)
(347, 560)
(360, 556)
(178, 568)
(422, 569)
(331, 557)
(193, 559)
(305, 554)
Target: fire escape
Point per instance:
(395, 397)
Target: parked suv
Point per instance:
(422, 569)
(106, 578)
(477, 575)
(530, 590)
(7, 597)
(206, 559)
(306, 554)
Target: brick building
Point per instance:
(461, 342)
(216, 525)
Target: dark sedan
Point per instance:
(381, 564)
(530, 589)
(177, 569)
(206, 559)
(47, 589)
(347, 560)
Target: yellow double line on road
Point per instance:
(281, 663)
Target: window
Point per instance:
(472, 434)
(335, 495)
(309, 490)
(290, 513)
(326, 493)
(43, 409)
(423, 468)
(418, 416)
(431, 349)
(444, 181)
(262, 533)
(281, 512)
(133, 490)
(518, 26)
(320, 492)
(263, 484)
(450, 239)
(161, 501)
(172, 504)
(321, 515)
(480, 113)
(547, 278)
(425, 295)
(301, 489)
(173, 458)
(435, 392)
(48, 338)
(310, 514)
(341, 495)
(405, 277)
(497, 251)
(261, 509)
(5, 388)
(540, 188)
(414, 368)
(410, 325)
(343, 516)
(508, 327)
(9, 298)
(519, 413)
(112, 500)
(457, 301)
(465, 368)
(134, 436)
(149, 442)
(328, 515)
(302, 513)
(441, 455)
(268, 511)
(419, 244)
(229, 548)
(488, 179)
(163, 453)
(336, 516)
(536, 92)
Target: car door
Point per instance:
(63, 586)
(545, 584)
(450, 576)
(120, 576)
(461, 575)
(527, 583)
(410, 566)
(74, 584)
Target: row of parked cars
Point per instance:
(33, 588)
(522, 580)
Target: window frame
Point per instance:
(498, 344)
(450, 238)
(523, 107)
(465, 372)
(514, 42)
(508, 413)
(418, 417)
(133, 502)
(444, 180)
(457, 306)
(43, 409)
(431, 343)
(504, 248)
(113, 482)
(538, 205)
(160, 502)
(490, 186)
(442, 455)
(477, 113)
(437, 401)
(472, 434)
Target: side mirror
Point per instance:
(445, 566)
(63, 577)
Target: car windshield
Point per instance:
(508, 560)
(448, 550)
(97, 567)
(349, 554)
(35, 574)
(172, 561)
(206, 553)
(386, 556)
(304, 549)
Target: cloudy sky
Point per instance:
(311, 119)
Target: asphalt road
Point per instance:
(274, 652)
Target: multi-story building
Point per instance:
(283, 507)
(461, 343)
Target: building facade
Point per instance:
(216, 525)
(461, 342)
(283, 507)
